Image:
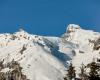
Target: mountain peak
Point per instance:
(72, 27)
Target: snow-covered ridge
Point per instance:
(47, 58)
(34, 53)
(87, 44)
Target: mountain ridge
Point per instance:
(47, 57)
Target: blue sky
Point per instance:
(48, 17)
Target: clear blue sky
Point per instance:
(48, 17)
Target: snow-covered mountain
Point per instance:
(47, 58)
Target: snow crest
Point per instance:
(46, 57)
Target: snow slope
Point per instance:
(34, 55)
(83, 41)
(47, 58)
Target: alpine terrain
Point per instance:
(34, 57)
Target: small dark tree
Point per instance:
(71, 72)
(14, 74)
(94, 73)
(65, 78)
(83, 75)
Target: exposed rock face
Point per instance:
(97, 44)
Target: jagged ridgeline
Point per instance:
(35, 57)
(11, 71)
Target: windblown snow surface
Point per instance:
(46, 57)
